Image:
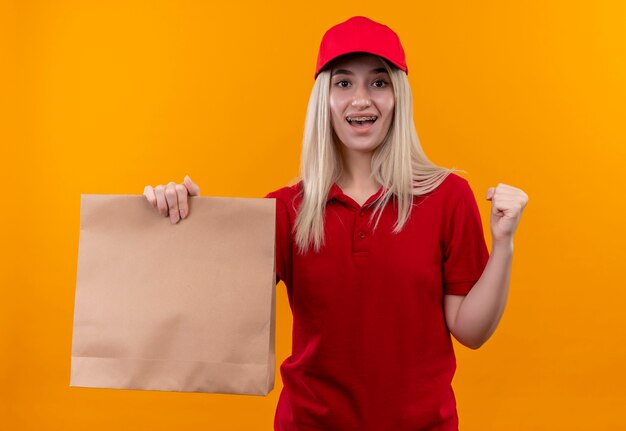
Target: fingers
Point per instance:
(507, 198)
(490, 192)
(171, 196)
(148, 192)
(159, 192)
(172, 199)
(181, 194)
(193, 188)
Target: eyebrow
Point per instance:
(348, 72)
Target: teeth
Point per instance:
(372, 118)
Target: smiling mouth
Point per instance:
(361, 121)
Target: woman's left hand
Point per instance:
(507, 204)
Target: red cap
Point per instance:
(360, 34)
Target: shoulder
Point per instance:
(288, 196)
(452, 191)
(285, 192)
(454, 183)
(454, 187)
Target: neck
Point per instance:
(357, 169)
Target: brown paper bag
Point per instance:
(184, 307)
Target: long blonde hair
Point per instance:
(399, 163)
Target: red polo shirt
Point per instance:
(371, 349)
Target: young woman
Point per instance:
(382, 252)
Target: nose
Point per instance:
(361, 97)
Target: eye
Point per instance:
(380, 83)
(340, 83)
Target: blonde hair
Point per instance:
(399, 164)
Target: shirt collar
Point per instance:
(335, 192)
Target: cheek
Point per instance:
(387, 108)
(387, 125)
(334, 120)
(389, 104)
(385, 103)
(334, 108)
(337, 112)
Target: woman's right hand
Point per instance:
(171, 200)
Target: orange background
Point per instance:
(106, 97)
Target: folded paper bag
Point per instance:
(184, 307)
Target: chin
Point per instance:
(365, 145)
(363, 148)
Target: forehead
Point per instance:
(357, 60)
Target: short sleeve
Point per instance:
(465, 251)
(283, 240)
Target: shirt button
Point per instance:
(361, 213)
(362, 234)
